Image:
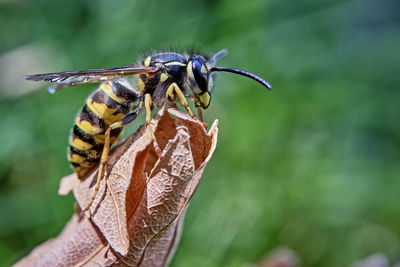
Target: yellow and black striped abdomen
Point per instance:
(110, 103)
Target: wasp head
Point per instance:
(200, 69)
(200, 81)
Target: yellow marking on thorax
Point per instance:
(87, 127)
(163, 77)
(107, 88)
(175, 63)
(147, 61)
(80, 144)
(141, 84)
(104, 112)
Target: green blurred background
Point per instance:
(312, 165)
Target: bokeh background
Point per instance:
(312, 165)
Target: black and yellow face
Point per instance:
(201, 80)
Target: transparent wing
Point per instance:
(68, 78)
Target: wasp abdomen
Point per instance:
(110, 103)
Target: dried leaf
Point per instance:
(77, 244)
(138, 212)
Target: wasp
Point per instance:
(162, 78)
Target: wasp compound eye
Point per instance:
(200, 74)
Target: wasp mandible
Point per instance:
(162, 78)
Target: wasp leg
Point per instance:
(174, 89)
(103, 160)
(200, 117)
(200, 113)
(147, 106)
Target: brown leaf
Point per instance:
(76, 244)
(138, 212)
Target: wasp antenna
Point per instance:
(219, 54)
(244, 73)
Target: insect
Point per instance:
(162, 78)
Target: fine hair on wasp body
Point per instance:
(162, 78)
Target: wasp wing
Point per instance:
(68, 78)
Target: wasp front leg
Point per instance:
(106, 149)
(173, 90)
(147, 106)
